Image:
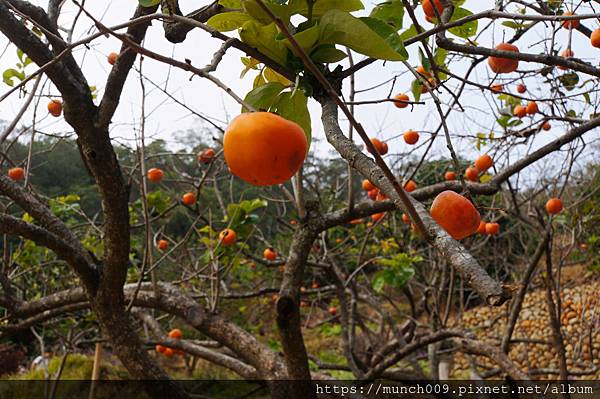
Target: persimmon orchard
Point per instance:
(380, 173)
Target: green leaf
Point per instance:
(295, 108)
(262, 37)
(228, 21)
(424, 61)
(254, 9)
(342, 28)
(569, 80)
(387, 33)
(466, 30)
(148, 3)
(410, 32)
(327, 53)
(390, 12)
(322, 6)
(231, 3)
(416, 87)
(265, 96)
(378, 282)
(306, 39)
(11, 74)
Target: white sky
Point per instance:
(383, 120)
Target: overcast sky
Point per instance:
(165, 117)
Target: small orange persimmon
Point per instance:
(497, 88)
(484, 162)
(372, 194)
(481, 228)
(554, 206)
(380, 146)
(546, 126)
(367, 185)
(168, 352)
(520, 111)
(206, 156)
(189, 199)
(378, 216)
(428, 8)
(270, 254)
(492, 228)
(570, 23)
(595, 38)
(504, 65)
(401, 100)
(472, 173)
(521, 88)
(532, 108)
(55, 108)
(410, 186)
(162, 244)
(227, 237)
(411, 137)
(175, 333)
(16, 174)
(112, 58)
(155, 175)
(449, 176)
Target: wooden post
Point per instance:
(95, 369)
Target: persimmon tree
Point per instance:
(363, 275)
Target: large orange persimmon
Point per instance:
(484, 162)
(455, 214)
(264, 149)
(504, 65)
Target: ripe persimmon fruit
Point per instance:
(401, 100)
(372, 194)
(112, 58)
(356, 221)
(492, 228)
(484, 162)
(497, 88)
(411, 137)
(55, 108)
(449, 176)
(381, 196)
(264, 149)
(379, 145)
(405, 218)
(481, 228)
(521, 88)
(546, 126)
(332, 310)
(270, 254)
(155, 175)
(570, 23)
(227, 237)
(595, 38)
(455, 214)
(367, 185)
(504, 65)
(189, 199)
(16, 174)
(472, 173)
(378, 216)
(532, 108)
(162, 244)
(429, 10)
(410, 186)
(168, 352)
(554, 206)
(206, 156)
(520, 111)
(160, 348)
(567, 53)
(175, 333)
